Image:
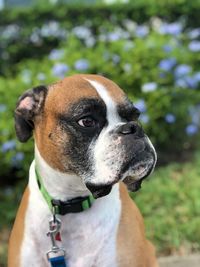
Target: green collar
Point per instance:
(63, 207)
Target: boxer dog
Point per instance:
(87, 141)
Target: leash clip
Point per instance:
(56, 252)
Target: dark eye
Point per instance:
(87, 122)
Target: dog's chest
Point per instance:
(91, 241)
(89, 238)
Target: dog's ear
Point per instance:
(28, 106)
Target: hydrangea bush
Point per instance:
(156, 62)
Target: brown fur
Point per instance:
(132, 247)
(58, 100)
(114, 90)
(17, 233)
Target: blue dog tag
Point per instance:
(58, 261)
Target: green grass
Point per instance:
(169, 202)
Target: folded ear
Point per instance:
(28, 106)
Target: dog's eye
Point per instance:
(87, 122)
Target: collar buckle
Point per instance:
(71, 206)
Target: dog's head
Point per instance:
(86, 125)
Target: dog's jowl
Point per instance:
(89, 147)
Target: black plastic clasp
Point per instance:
(70, 206)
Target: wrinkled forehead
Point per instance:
(72, 89)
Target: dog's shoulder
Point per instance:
(17, 233)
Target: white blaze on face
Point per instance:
(112, 114)
(106, 162)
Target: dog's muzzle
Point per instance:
(126, 154)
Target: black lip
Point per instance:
(99, 190)
(134, 186)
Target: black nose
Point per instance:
(99, 190)
(128, 128)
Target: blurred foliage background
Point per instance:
(152, 50)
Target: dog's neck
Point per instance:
(59, 185)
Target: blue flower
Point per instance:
(191, 129)
(196, 76)
(182, 70)
(8, 191)
(3, 107)
(167, 64)
(82, 32)
(129, 45)
(149, 87)
(52, 28)
(162, 75)
(181, 83)
(81, 65)
(127, 67)
(26, 76)
(188, 82)
(116, 59)
(194, 46)
(113, 36)
(195, 33)
(167, 48)
(144, 118)
(141, 31)
(170, 118)
(35, 37)
(41, 76)
(141, 105)
(191, 82)
(56, 54)
(17, 159)
(171, 28)
(116, 35)
(106, 55)
(9, 145)
(19, 156)
(60, 70)
(90, 42)
(11, 32)
(194, 112)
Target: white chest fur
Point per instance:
(89, 237)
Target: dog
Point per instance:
(89, 147)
